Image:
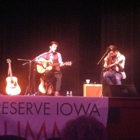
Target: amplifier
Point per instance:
(92, 90)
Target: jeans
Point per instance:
(56, 76)
(111, 77)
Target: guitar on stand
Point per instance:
(45, 87)
(12, 87)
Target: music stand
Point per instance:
(29, 88)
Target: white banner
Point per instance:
(41, 117)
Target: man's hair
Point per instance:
(112, 48)
(53, 42)
(84, 127)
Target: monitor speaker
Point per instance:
(120, 91)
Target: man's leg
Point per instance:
(108, 76)
(118, 77)
(107, 79)
(49, 82)
(58, 76)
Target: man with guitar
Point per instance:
(113, 67)
(49, 64)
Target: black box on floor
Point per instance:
(121, 91)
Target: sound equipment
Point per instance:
(121, 91)
(92, 90)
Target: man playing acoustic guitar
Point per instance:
(49, 64)
(114, 63)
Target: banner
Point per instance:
(41, 117)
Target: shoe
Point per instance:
(56, 93)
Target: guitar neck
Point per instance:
(55, 64)
(10, 70)
(111, 65)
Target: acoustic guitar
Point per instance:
(12, 87)
(111, 65)
(44, 65)
(44, 87)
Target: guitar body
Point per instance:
(43, 65)
(46, 65)
(12, 87)
(111, 66)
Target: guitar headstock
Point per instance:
(68, 63)
(8, 60)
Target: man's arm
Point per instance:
(60, 59)
(43, 55)
(105, 62)
(121, 64)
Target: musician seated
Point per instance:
(113, 67)
(49, 64)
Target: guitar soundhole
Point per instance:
(13, 83)
(48, 64)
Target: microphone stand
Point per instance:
(29, 88)
(101, 76)
(103, 56)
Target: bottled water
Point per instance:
(70, 93)
(67, 93)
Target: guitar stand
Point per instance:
(28, 91)
(29, 88)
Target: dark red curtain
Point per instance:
(26, 30)
(83, 30)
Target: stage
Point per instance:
(38, 117)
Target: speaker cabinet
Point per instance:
(120, 91)
(92, 90)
